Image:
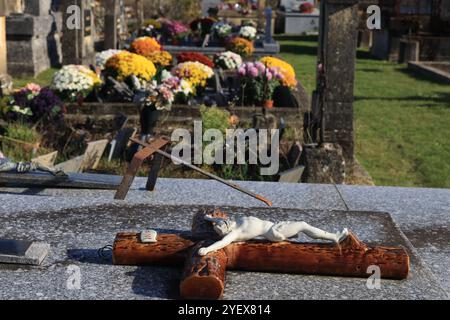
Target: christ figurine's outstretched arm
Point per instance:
(226, 241)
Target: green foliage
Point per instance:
(21, 132)
(215, 118)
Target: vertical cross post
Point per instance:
(336, 76)
(111, 18)
(139, 12)
(260, 14)
(268, 34)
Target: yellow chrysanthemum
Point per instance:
(126, 64)
(160, 58)
(287, 71)
(195, 73)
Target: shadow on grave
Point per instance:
(150, 282)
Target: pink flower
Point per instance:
(269, 76)
(242, 72)
(33, 87)
(254, 72)
(249, 65)
(261, 67)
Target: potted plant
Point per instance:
(258, 83)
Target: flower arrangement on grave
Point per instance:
(161, 59)
(145, 46)
(195, 57)
(162, 95)
(248, 32)
(222, 30)
(174, 30)
(228, 60)
(241, 46)
(35, 104)
(153, 23)
(258, 81)
(74, 81)
(102, 57)
(159, 95)
(195, 73)
(150, 28)
(289, 78)
(182, 88)
(126, 64)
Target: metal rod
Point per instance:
(205, 173)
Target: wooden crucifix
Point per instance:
(203, 277)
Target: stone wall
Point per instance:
(33, 40)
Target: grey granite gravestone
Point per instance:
(78, 233)
(33, 40)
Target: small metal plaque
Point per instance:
(14, 247)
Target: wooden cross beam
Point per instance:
(204, 277)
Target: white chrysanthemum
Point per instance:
(72, 78)
(248, 32)
(228, 60)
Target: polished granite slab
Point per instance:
(76, 234)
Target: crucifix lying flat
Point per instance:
(206, 259)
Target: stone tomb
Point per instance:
(77, 234)
(33, 39)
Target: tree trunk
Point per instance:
(204, 277)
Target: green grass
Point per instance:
(43, 79)
(402, 121)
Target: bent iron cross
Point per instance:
(203, 277)
(154, 148)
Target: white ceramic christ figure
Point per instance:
(244, 229)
